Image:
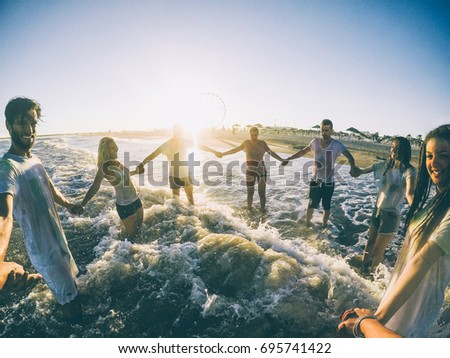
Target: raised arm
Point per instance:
(366, 170)
(409, 279)
(350, 158)
(272, 153)
(209, 150)
(140, 168)
(94, 187)
(234, 150)
(153, 155)
(359, 171)
(300, 153)
(354, 170)
(59, 199)
(134, 172)
(6, 222)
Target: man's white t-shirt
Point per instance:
(325, 159)
(35, 210)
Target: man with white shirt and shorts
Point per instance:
(326, 150)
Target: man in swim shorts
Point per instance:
(256, 172)
(178, 150)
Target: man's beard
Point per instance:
(19, 142)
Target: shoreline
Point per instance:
(365, 153)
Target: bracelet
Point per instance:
(356, 328)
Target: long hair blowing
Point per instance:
(437, 207)
(404, 155)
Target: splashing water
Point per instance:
(204, 271)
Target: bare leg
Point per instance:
(250, 193)
(140, 216)
(176, 193)
(382, 242)
(309, 214)
(262, 193)
(189, 190)
(326, 215)
(133, 222)
(368, 250)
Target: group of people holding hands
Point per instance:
(412, 302)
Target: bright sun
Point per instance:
(199, 112)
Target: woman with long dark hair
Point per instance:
(416, 292)
(397, 180)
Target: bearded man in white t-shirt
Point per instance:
(27, 192)
(326, 150)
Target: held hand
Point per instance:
(140, 169)
(355, 172)
(16, 282)
(218, 154)
(285, 162)
(16, 278)
(75, 209)
(349, 318)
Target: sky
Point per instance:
(98, 65)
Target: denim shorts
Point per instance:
(387, 222)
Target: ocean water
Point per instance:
(211, 270)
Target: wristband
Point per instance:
(356, 328)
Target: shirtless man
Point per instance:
(176, 150)
(326, 150)
(27, 192)
(256, 171)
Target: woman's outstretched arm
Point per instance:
(94, 187)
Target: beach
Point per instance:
(212, 270)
